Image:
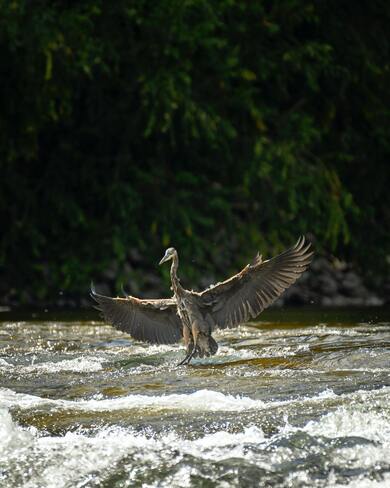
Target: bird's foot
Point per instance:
(188, 357)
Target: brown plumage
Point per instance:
(193, 316)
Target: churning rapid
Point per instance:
(298, 399)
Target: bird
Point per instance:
(194, 316)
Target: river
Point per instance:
(300, 398)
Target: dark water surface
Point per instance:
(301, 398)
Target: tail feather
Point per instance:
(206, 345)
(213, 346)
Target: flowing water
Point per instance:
(301, 398)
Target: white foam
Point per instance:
(348, 421)
(358, 421)
(11, 435)
(363, 482)
(363, 456)
(240, 331)
(202, 400)
(68, 460)
(226, 351)
(151, 349)
(71, 459)
(225, 445)
(251, 435)
(56, 461)
(78, 365)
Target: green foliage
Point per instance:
(217, 126)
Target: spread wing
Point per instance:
(245, 295)
(154, 321)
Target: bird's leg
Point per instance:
(195, 347)
(189, 356)
(190, 336)
(192, 349)
(188, 342)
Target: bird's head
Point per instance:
(169, 253)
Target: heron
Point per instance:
(193, 316)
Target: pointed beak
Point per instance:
(165, 257)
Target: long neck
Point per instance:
(174, 279)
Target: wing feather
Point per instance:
(245, 295)
(153, 321)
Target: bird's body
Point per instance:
(193, 316)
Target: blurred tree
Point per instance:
(218, 126)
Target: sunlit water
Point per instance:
(298, 399)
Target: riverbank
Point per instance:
(337, 284)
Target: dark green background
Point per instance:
(220, 127)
